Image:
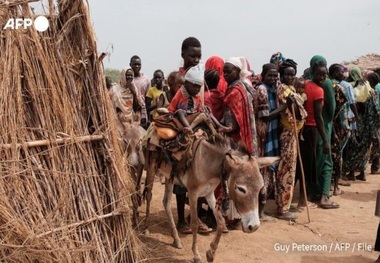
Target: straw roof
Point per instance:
(64, 184)
(369, 61)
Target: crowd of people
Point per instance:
(329, 117)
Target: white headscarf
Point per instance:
(241, 63)
(195, 75)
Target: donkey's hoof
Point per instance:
(210, 256)
(197, 260)
(177, 244)
(146, 232)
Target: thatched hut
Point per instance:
(64, 186)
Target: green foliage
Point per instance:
(114, 74)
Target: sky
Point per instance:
(340, 30)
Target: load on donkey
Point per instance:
(200, 162)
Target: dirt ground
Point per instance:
(345, 235)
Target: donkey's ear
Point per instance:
(266, 161)
(229, 162)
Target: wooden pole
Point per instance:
(300, 162)
(86, 138)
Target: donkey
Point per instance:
(210, 165)
(131, 137)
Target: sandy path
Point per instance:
(345, 235)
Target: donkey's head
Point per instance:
(132, 136)
(244, 184)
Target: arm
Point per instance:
(149, 106)
(161, 101)
(273, 114)
(320, 124)
(355, 111)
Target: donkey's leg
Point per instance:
(220, 226)
(140, 171)
(193, 202)
(149, 180)
(167, 204)
(135, 197)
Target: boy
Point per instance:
(187, 100)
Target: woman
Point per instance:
(238, 113)
(217, 64)
(289, 130)
(267, 125)
(359, 143)
(374, 81)
(315, 149)
(126, 98)
(340, 129)
(213, 96)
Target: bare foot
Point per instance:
(266, 218)
(338, 191)
(225, 129)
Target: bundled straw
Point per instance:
(64, 186)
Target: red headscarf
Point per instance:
(217, 63)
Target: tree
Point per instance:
(114, 74)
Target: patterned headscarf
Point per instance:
(277, 59)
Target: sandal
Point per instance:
(287, 216)
(338, 192)
(343, 182)
(185, 229)
(203, 229)
(294, 209)
(311, 205)
(331, 205)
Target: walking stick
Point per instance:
(300, 161)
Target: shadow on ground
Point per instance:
(358, 196)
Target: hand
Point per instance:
(187, 130)
(289, 100)
(132, 87)
(326, 147)
(352, 120)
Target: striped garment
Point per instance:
(272, 144)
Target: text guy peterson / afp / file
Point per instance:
(331, 247)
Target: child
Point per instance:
(175, 82)
(187, 100)
(156, 95)
(300, 88)
(214, 97)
